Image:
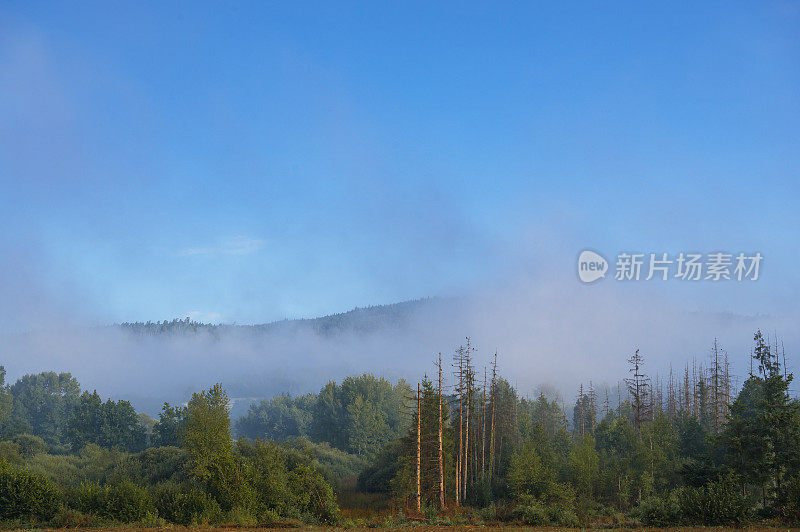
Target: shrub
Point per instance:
(70, 518)
(533, 514)
(10, 452)
(30, 445)
(27, 495)
(481, 494)
(125, 502)
(716, 503)
(128, 502)
(154, 465)
(182, 504)
(313, 495)
(89, 498)
(489, 513)
(563, 517)
(240, 517)
(63, 470)
(659, 511)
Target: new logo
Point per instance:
(591, 266)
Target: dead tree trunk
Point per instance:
(460, 450)
(419, 447)
(483, 431)
(466, 392)
(441, 451)
(492, 398)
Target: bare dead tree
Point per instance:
(695, 411)
(419, 445)
(459, 452)
(580, 428)
(467, 379)
(671, 406)
(441, 449)
(687, 402)
(493, 399)
(716, 378)
(483, 431)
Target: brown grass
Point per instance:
(443, 529)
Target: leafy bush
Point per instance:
(286, 482)
(30, 445)
(537, 513)
(563, 517)
(128, 502)
(481, 494)
(313, 496)
(332, 462)
(659, 511)
(90, 498)
(791, 510)
(240, 517)
(533, 514)
(70, 518)
(183, 504)
(10, 453)
(125, 502)
(716, 503)
(27, 495)
(154, 465)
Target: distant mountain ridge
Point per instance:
(362, 320)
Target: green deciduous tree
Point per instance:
(43, 403)
(169, 427)
(584, 465)
(110, 424)
(208, 444)
(279, 418)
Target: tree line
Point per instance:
(460, 446)
(685, 451)
(86, 462)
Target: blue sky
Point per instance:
(252, 161)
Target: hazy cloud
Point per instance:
(205, 317)
(236, 245)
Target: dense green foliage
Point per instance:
(68, 458)
(205, 477)
(696, 459)
(26, 495)
(358, 320)
(358, 416)
(109, 424)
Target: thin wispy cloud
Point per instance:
(205, 317)
(237, 245)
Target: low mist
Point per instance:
(549, 331)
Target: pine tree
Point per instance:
(638, 385)
(762, 438)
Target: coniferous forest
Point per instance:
(460, 446)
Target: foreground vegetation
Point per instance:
(365, 452)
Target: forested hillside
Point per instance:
(359, 320)
(460, 446)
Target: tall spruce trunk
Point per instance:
(419, 446)
(441, 451)
(466, 439)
